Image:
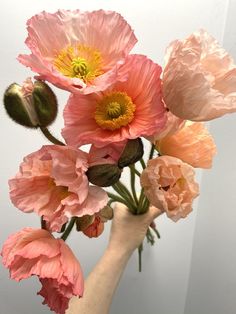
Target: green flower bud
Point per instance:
(45, 103)
(31, 105)
(132, 153)
(104, 175)
(106, 213)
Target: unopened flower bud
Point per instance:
(132, 153)
(83, 222)
(106, 213)
(32, 104)
(104, 175)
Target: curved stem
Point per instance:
(69, 228)
(50, 137)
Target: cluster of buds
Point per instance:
(108, 174)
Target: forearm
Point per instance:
(101, 284)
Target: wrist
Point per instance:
(119, 252)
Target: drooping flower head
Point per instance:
(52, 183)
(127, 110)
(192, 144)
(78, 51)
(199, 79)
(35, 252)
(169, 185)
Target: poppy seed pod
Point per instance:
(104, 175)
(31, 105)
(132, 153)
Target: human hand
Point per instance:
(128, 230)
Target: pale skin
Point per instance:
(127, 233)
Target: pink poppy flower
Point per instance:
(109, 154)
(52, 183)
(192, 144)
(170, 186)
(199, 80)
(127, 110)
(36, 252)
(78, 51)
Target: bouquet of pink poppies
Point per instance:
(117, 101)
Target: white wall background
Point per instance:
(163, 285)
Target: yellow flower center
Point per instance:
(79, 61)
(114, 111)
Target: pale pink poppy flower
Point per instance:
(192, 144)
(78, 51)
(35, 252)
(52, 182)
(199, 79)
(169, 185)
(127, 110)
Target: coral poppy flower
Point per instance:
(169, 185)
(36, 252)
(52, 183)
(199, 79)
(78, 51)
(127, 110)
(192, 144)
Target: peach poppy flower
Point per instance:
(127, 110)
(78, 51)
(173, 124)
(199, 79)
(35, 252)
(192, 144)
(52, 183)
(170, 186)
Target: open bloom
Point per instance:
(36, 252)
(52, 183)
(192, 144)
(170, 186)
(126, 110)
(199, 80)
(78, 51)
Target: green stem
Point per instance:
(135, 170)
(69, 228)
(124, 189)
(150, 237)
(143, 163)
(50, 137)
(140, 249)
(132, 183)
(156, 232)
(120, 200)
(152, 151)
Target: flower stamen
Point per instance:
(79, 61)
(114, 111)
